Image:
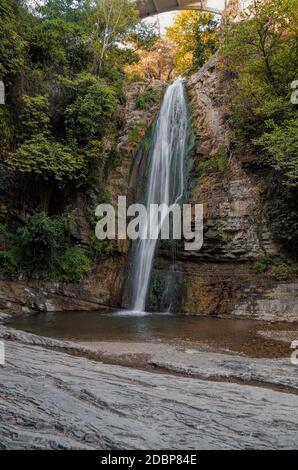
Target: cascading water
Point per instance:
(165, 183)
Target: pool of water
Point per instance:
(239, 336)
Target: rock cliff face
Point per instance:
(101, 289)
(221, 278)
(235, 226)
(234, 8)
(104, 286)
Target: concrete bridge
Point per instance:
(153, 7)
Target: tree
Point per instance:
(110, 21)
(92, 108)
(194, 34)
(40, 240)
(34, 117)
(264, 43)
(259, 54)
(49, 163)
(155, 63)
(56, 36)
(280, 145)
(144, 36)
(63, 66)
(11, 43)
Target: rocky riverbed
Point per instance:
(55, 396)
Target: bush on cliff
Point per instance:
(147, 99)
(41, 238)
(74, 265)
(10, 254)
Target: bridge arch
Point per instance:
(154, 7)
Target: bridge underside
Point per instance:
(153, 7)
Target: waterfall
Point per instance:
(165, 184)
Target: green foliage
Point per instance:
(6, 237)
(276, 267)
(194, 35)
(10, 256)
(56, 37)
(4, 233)
(11, 42)
(148, 99)
(282, 213)
(74, 265)
(136, 133)
(264, 42)
(10, 261)
(135, 77)
(62, 62)
(102, 196)
(47, 160)
(35, 116)
(6, 130)
(100, 249)
(145, 35)
(266, 262)
(280, 273)
(217, 162)
(92, 110)
(39, 249)
(115, 156)
(260, 56)
(111, 21)
(280, 145)
(40, 239)
(61, 120)
(280, 153)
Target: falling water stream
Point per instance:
(165, 184)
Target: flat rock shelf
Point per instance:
(53, 400)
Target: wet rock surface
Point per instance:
(51, 399)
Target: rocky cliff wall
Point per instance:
(221, 278)
(104, 286)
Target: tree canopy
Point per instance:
(194, 37)
(62, 62)
(260, 56)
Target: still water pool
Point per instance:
(241, 336)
